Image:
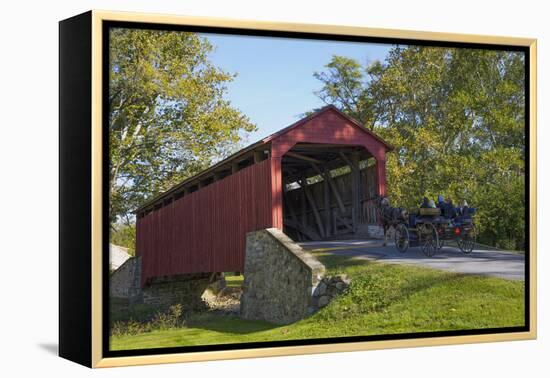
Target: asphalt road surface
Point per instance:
(501, 264)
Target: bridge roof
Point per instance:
(246, 153)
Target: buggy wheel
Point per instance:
(401, 238)
(429, 239)
(467, 242)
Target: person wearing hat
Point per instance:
(425, 202)
(449, 210)
(463, 207)
(440, 202)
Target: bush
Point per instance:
(172, 318)
(124, 236)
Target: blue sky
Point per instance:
(275, 82)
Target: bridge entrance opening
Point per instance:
(329, 192)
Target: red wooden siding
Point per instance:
(205, 231)
(276, 192)
(329, 127)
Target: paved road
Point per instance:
(481, 261)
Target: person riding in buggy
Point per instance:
(430, 225)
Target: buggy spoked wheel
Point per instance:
(467, 242)
(430, 239)
(401, 238)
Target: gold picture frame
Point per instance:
(92, 24)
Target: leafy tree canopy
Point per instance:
(457, 119)
(168, 117)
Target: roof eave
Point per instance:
(267, 140)
(200, 175)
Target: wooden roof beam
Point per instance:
(348, 161)
(303, 157)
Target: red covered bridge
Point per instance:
(315, 179)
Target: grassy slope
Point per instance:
(383, 299)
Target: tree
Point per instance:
(345, 86)
(124, 235)
(168, 117)
(456, 117)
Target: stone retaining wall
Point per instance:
(328, 289)
(125, 281)
(186, 289)
(279, 278)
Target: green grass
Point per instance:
(383, 299)
(232, 280)
(121, 311)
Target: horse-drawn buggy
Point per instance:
(429, 227)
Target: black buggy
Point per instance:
(429, 228)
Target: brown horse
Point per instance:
(390, 216)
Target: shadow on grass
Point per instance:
(424, 283)
(121, 310)
(228, 324)
(340, 262)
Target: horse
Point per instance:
(390, 216)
